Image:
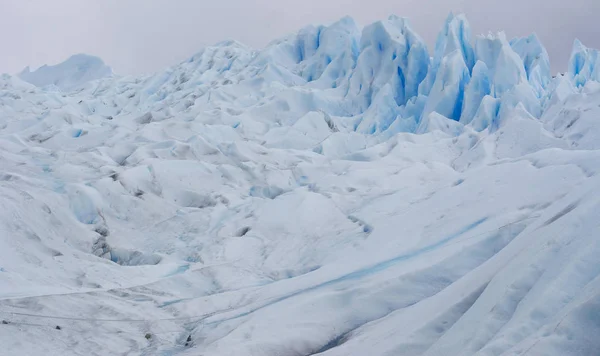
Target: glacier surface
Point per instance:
(342, 191)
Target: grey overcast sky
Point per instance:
(139, 36)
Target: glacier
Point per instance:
(342, 191)
(68, 75)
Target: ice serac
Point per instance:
(382, 112)
(486, 113)
(328, 52)
(506, 69)
(479, 87)
(559, 90)
(70, 74)
(521, 94)
(307, 42)
(501, 73)
(535, 60)
(455, 36)
(392, 55)
(446, 96)
(584, 64)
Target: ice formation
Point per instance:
(68, 75)
(342, 191)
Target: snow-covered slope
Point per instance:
(340, 192)
(68, 75)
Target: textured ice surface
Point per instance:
(340, 192)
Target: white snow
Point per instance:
(336, 193)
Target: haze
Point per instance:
(139, 36)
